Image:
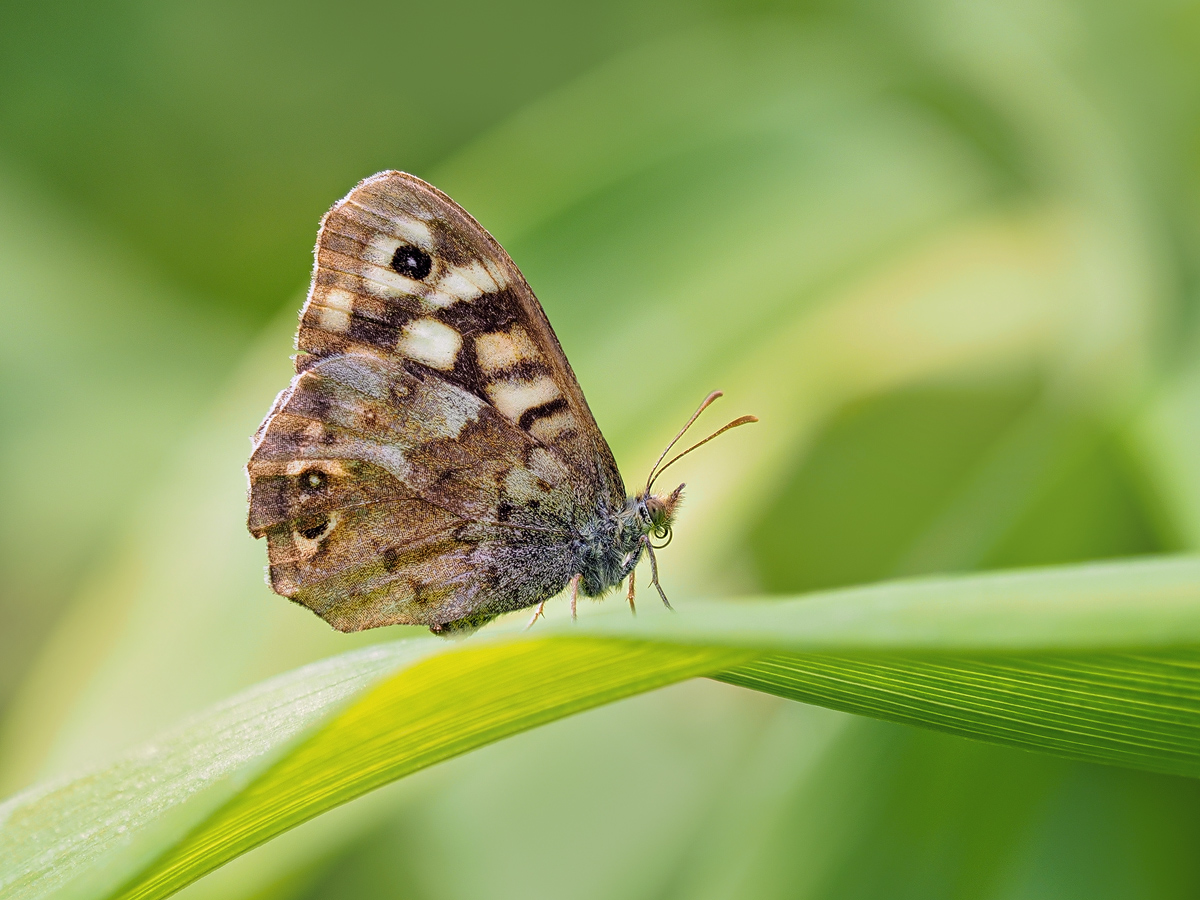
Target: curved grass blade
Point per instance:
(1098, 662)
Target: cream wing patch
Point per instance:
(515, 398)
(334, 309)
(431, 342)
(404, 231)
(547, 429)
(499, 350)
(469, 282)
(455, 284)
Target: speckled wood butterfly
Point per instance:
(433, 461)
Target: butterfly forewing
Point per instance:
(434, 447)
(402, 269)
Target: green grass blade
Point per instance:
(1132, 710)
(1096, 662)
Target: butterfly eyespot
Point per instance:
(313, 479)
(412, 262)
(316, 529)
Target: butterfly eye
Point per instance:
(412, 262)
(313, 480)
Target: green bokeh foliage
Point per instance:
(948, 251)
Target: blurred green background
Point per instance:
(949, 252)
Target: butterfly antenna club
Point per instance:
(656, 471)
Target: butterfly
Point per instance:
(434, 461)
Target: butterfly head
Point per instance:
(656, 513)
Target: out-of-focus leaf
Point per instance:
(214, 135)
(1095, 662)
(103, 364)
(1166, 436)
(885, 811)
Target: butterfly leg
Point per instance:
(537, 612)
(654, 573)
(629, 593)
(574, 585)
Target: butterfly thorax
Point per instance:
(610, 546)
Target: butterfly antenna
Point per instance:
(708, 401)
(741, 420)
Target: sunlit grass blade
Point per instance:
(1098, 662)
(84, 837)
